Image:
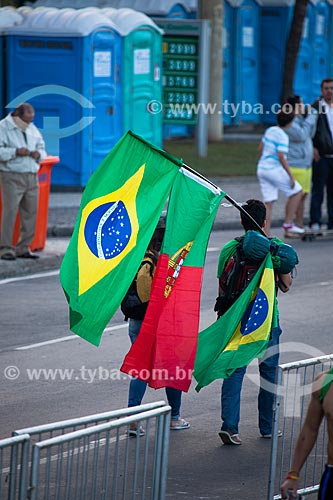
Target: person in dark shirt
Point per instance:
(322, 170)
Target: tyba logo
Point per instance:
(51, 130)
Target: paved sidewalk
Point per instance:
(63, 209)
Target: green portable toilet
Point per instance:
(141, 73)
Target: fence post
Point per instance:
(32, 493)
(164, 458)
(24, 470)
(275, 430)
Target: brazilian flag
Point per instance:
(119, 211)
(241, 333)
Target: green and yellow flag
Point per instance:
(165, 349)
(119, 211)
(242, 333)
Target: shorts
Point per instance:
(275, 180)
(303, 176)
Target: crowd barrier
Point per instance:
(293, 392)
(89, 457)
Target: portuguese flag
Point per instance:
(119, 211)
(163, 353)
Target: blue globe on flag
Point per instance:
(108, 230)
(255, 314)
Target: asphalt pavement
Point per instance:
(64, 206)
(222, 472)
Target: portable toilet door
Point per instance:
(8, 17)
(66, 63)
(275, 19)
(247, 62)
(228, 39)
(141, 73)
(321, 46)
(304, 65)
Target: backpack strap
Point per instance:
(151, 259)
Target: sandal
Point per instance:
(229, 438)
(136, 432)
(182, 424)
(270, 435)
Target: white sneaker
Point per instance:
(315, 226)
(292, 228)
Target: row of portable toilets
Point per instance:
(91, 72)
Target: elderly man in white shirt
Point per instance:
(21, 150)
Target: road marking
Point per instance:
(65, 339)
(56, 272)
(75, 451)
(29, 277)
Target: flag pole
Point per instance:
(227, 197)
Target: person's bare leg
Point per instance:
(300, 211)
(269, 208)
(291, 207)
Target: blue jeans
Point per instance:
(138, 387)
(232, 386)
(322, 175)
(326, 484)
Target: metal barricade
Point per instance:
(294, 388)
(103, 462)
(45, 431)
(13, 464)
(103, 445)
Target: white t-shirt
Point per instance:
(275, 140)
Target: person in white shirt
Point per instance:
(274, 173)
(21, 150)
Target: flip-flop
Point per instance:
(182, 425)
(228, 438)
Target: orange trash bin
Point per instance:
(44, 182)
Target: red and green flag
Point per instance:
(164, 352)
(241, 333)
(119, 211)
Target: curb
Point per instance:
(20, 267)
(63, 231)
(49, 261)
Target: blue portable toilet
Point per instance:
(275, 19)
(321, 46)
(8, 17)
(141, 72)
(24, 10)
(228, 44)
(193, 7)
(67, 63)
(155, 8)
(247, 60)
(304, 67)
(73, 4)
